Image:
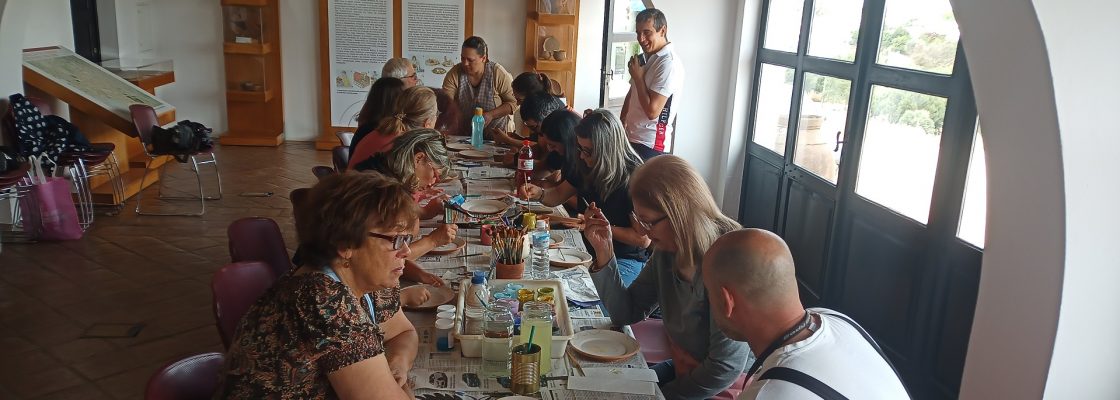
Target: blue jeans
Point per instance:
(665, 372)
(628, 269)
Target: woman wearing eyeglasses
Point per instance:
(333, 328)
(673, 206)
(608, 162)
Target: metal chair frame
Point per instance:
(207, 157)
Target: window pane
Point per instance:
(899, 153)
(919, 35)
(625, 13)
(835, 29)
(775, 92)
(783, 25)
(824, 111)
(974, 210)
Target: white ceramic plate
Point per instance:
(556, 239)
(567, 258)
(474, 154)
(484, 206)
(459, 146)
(604, 345)
(437, 296)
(493, 194)
(449, 248)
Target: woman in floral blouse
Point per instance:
(333, 327)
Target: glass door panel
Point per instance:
(898, 160)
(775, 92)
(783, 25)
(919, 35)
(835, 29)
(824, 114)
(974, 211)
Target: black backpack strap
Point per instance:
(804, 380)
(870, 341)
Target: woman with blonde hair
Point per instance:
(675, 209)
(415, 108)
(608, 162)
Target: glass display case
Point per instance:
(243, 24)
(562, 7)
(134, 69)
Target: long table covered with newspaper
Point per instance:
(449, 375)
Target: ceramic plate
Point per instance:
(449, 248)
(567, 258)
(493, 194)
(484, 206)
(604, 345)
(556, 240)
(474, 154)
(437, 296)
(540, 209)
(459, 146)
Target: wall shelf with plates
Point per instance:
(551, 36)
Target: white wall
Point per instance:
(705, 38)
(502, 24)
(299, 39)
(198, 93)
(47, 23)
(589, 61)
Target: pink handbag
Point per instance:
(50, 206)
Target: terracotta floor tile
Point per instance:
(133, 269)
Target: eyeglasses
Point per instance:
(583, 150)
(647, 226)
(398, 241)
(413, 76)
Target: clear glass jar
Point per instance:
(536, 319)
(497, 341)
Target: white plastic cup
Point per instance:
(448, 315)
(444, 331)
(445, 308)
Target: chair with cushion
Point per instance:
(340, 156)
(345, 137)
(192, 378)
(144, 120)
(259, 239)
(651, 335)
(322, 171)
(235, 288)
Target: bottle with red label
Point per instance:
(524, 165)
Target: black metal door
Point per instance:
(820, 172)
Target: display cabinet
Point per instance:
(551, 41)
(254, 100)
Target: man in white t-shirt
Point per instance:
(804, 353)
(656, 82)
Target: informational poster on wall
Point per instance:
(361, 41)
(433, 35)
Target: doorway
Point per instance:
(619, 44)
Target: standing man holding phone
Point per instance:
(656, 80)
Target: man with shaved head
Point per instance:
(809, 353)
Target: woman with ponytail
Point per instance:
(414, 109)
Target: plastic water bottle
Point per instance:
(478, 124)
(474, 310)
(541, 239)
(524, 165)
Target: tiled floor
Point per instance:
(133, 269)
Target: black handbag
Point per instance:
(178, 141)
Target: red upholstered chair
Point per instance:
(235, 288)
(259, 239)
(144, 119)
(655, 345)
(192, 378)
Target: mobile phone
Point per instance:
(641, 59)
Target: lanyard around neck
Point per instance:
(369, 302)
(805, 322)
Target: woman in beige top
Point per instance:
(478, 82)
